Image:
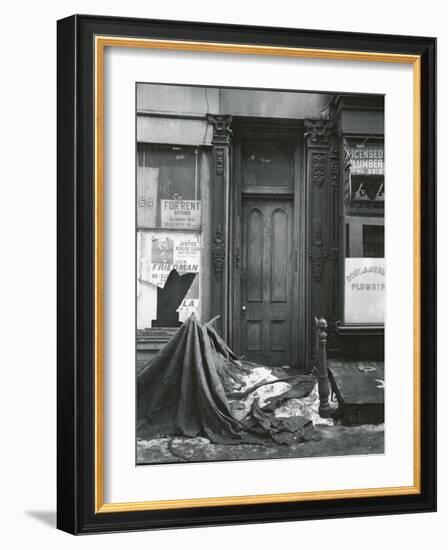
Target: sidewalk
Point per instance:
(335, 440)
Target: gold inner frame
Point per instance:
(101, 42)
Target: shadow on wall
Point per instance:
(47, 517)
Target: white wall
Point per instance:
(28, 244)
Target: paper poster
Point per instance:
(180, 214)
(191, 303)
(162, 253)
(365, 287)
(188, 306)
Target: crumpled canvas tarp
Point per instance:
(191, 386)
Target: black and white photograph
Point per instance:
(260, 274)
(221, 310)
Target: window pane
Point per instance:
(168, 189)
(373, 241)
(267, 164)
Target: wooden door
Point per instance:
(267, 281)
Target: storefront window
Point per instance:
(364, 288)
(168, 187)
(169, 218)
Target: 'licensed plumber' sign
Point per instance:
(366, 160)
(180, 214)
(365, 286)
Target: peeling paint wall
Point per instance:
(193, 101)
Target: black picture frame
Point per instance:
(76, 511)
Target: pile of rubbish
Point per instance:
(197, 387)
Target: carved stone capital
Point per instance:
(222, 131)
(318, 130)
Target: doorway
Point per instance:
(267, 280)
(267, 231)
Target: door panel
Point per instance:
(254, 272)
(266, 281)
(279, 266)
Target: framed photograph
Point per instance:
(246, 274)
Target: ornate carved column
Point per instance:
(322, 221)
(220, 192)
(335, 244)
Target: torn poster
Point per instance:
(187, 307)
(191, 303)
(162, 253)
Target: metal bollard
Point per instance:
(325, 410)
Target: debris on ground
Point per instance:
(334, 441)
(197, 387)
(198, 401)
